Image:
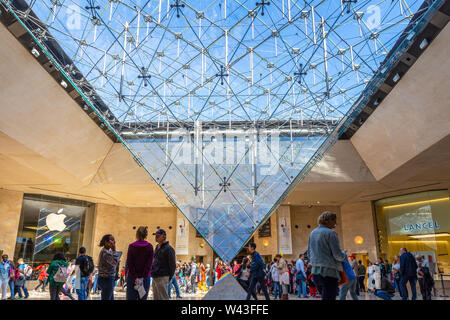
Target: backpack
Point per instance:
(28, 271)
(61, 275)
(86, 266)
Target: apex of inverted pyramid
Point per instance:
(226, 289)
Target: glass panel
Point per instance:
(419, 222)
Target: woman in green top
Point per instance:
(56, 287)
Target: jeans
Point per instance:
(277, 289)
(82, 291)
(133, 294)
(207, 281)
(54, 291)
(173, 282)
(107, 287)
(94, 285)
(183, 282)
(41, 283)
(328, 286)
(11, 288)
(351, 286)
(193, 285)
(361, 283)
(24, 288)
(383, 294)
(252, 286)
(404, 291)
(301, 287)
(424, 289)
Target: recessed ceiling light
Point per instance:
(35, 52)
(396, 77)
(423, 44)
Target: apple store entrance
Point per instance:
(49, 225)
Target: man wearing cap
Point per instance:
(164, 265)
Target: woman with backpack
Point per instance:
(57, 275)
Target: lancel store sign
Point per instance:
(426, 226)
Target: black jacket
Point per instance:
(163, 261)
(408, 265)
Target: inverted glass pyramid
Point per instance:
(226, 104)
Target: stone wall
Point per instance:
(10, 207)
(303, 221)
(357, 220)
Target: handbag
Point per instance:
(344, 278)
(12, 273)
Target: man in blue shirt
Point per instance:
(257, 273)
(301, 276)
(6, 268)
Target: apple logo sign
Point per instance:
(55, 221)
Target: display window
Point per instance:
(420, 223)
(49, 225)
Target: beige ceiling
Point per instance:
(48, 145)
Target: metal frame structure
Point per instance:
(322, 66)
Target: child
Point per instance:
(19, 283)
(311, 285)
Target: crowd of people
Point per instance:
(325, 271)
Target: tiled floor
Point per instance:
(120, 295)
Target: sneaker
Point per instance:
(179, 297)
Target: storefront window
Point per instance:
(418, 222)
(49, 225)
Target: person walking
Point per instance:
(283, 276)
(95, 281)
(351, 284)
(84, 266)
(174, 283)
(242, 275)
(277, 289)
(139, 264)
(108, 264)
(408, 273)
(257, 273)
(26, 270)
(325, 255)
(163, 268)
(208, 275)
(361, 276)
(6, 272)
(193, 276)
(57, 275)
(43, 275)
(202, 280)
(301, 276)
(18, 284)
